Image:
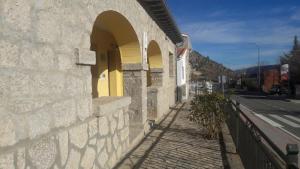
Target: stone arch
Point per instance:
(116, 43)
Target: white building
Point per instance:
(183, 68)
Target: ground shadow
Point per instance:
(138, 164)
(175, 143)
(224, 151)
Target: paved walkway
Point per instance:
(176, 143)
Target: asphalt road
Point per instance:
(275, 110)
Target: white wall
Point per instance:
(181, 69)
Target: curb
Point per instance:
(231, 158)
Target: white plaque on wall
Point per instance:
(145, 47)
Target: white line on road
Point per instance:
(293, 118)
(282, 109)
(271, 122)
(290, 123)
(281, 128)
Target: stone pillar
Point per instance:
(152, 92)
(156, 76)
(135, 86)
(152, 103)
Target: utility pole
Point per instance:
(259, 69)
(259, 66)
(289, 81)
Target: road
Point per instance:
(276, 111)
(277, 117)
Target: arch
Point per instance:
(154, 60)
(154, 55)
(154, 78)
(115, 42)
(123, 32)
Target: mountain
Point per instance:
(203, 68)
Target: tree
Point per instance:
(296, 44)
(293, 59)
(294, 53)
(285, 58)
(295, 62)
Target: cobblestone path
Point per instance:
(176, 143)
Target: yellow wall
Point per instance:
(154, 59)
(114, 37)
(103, 75)
(115, 74)
(123, 33)
(107, 73)
(154, 55)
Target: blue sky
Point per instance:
(227, 30)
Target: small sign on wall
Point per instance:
(145, 48)
(85, 57)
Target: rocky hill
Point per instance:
(203, 68)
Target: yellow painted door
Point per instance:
(103, 81)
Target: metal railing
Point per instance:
(256, 150)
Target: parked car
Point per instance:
(278, 90)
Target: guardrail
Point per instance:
(256, 150)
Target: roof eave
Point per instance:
(163, 18)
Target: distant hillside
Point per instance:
(203, 68)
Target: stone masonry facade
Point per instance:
(95, 143)
(48, 118)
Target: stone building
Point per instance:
(80, 79)
(183, 68)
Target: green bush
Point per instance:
(208, 110)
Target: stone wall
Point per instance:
(40, 44)
(156, 105)
(97, 142)
(156, 77)
(134, 81)
(45, 78)
(171, 92)
(152, 110)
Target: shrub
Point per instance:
(208, 110)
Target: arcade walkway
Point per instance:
(176, 143)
